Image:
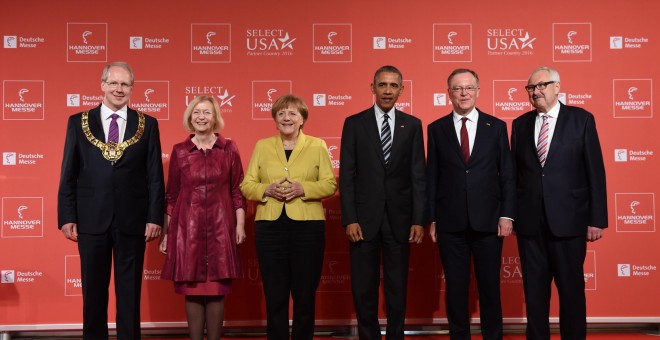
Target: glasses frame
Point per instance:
(467, 89)
(540, 86)
(114, 85)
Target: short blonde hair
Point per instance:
(287, 100)
(219, 122)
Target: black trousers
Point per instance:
(290, 257)
(97, 253)
(365, 281)
(545, 257)
(457, 250)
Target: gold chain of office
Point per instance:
(112, 151)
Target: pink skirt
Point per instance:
(208, 288)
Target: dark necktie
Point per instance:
(113, 132)
(386, 139)
(465, 141)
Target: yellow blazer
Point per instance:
(309, 164)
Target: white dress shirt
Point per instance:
(470, 126)
(552, 114)
(379, 119)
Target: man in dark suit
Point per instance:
(562, 204)
(111, 200)
(383, 201)
(471, 194)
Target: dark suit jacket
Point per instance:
(476, 194)
(92, 190)
(571, 186)
(369, 190)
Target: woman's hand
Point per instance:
(277, 190)
(163, 244)
(240, 234)
(292, 189)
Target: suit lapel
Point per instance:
(400, 131)
(484, 129)
(449, 130)
(557, 136)
(370, 127)
(131, 124)
(96, 123)
(528, 136)
(301, 143)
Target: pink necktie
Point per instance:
(542, 144)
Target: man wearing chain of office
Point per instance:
(111, 201)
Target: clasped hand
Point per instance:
(285, 190)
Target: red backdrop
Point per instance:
(249, 52)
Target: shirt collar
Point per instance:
(106, 112)
(380, 113)
(552, 113)
(472, 116)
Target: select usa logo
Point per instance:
(635, 212)
(618, 42)
(265, 93)
(139, 42)
(13, 41)
(635, 270)
(333, 43)
(510, 42)
(571, 41)
(22, 217)
(23, 99)
(510, 98)
(452, 43)
(210, 43)
(87, 42)
(633, 98)
(152, 97)
(626, 155)
(269, 42)
(223, 95)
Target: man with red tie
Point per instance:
(471, 192)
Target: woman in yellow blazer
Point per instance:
(289, 174)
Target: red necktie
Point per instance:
(465, 141)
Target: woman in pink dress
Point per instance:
(206, 216)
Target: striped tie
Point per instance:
(542, 144)
(113, 133)
(386, 139)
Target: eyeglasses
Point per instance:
(539, 86)
(468, 89)
(114, 85)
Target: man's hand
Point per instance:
(70, 231)
(163, 244)
(432, 232)
(153, 232)
(504, 227)
(416, 234)
(593, 234)
(354, 232)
